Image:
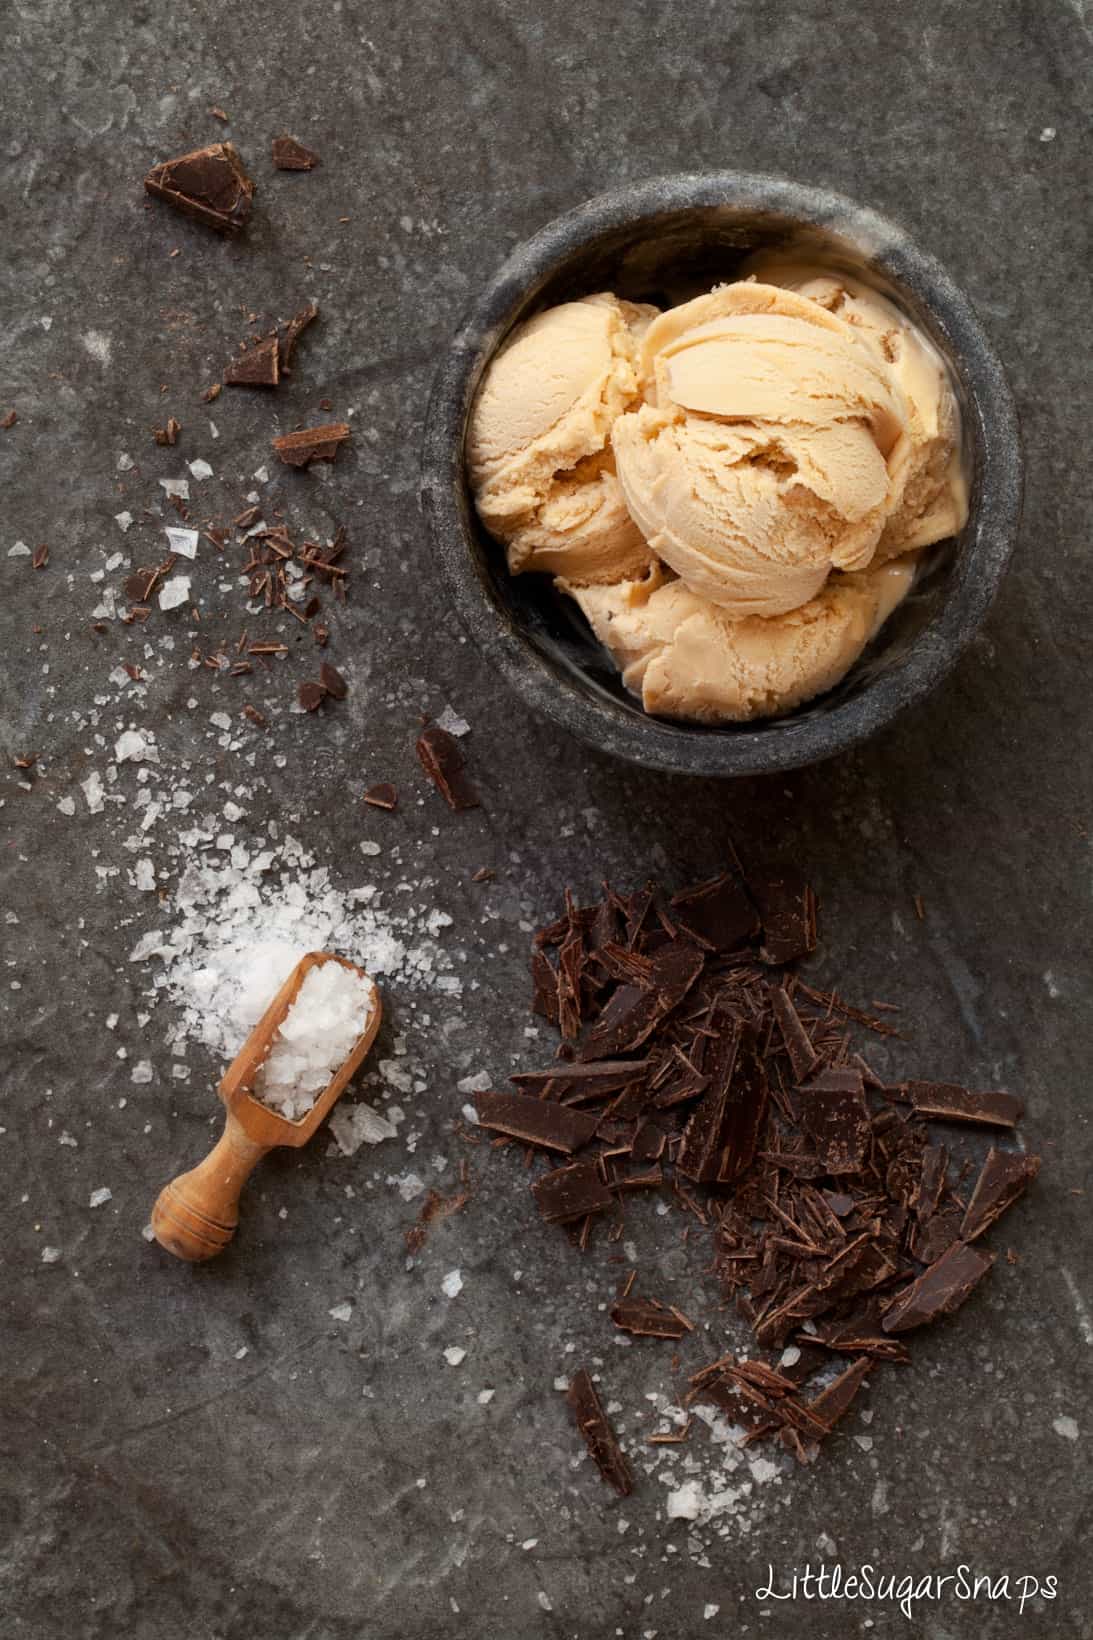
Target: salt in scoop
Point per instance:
(195, 1216)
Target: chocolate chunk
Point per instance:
(839, 1127)
(719, 913)
(699, 1153)
(598, 1435)
(648, 1319)
(8, 420)
(383, 796)
(936, 1235)
(933, 1167)
(787, 910)
(290, 334)
(648, 1143)
(802, 1056)
(948, 1102)
(442, 760)
(835, 1401)
(209, 184)
(40, 556)
(570, 1192)
(167, 435)
(259, 366)
(311, 696)
(311, 444)
(535, 1121)
(333, 682)
(940, 1290)
(544, 1000)
(1005, 1177)
(290, 155)
(581, 1081)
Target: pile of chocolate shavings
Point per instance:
(697, 1064)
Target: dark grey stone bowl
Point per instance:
(663, 241)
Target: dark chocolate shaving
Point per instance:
(535, 1121)
(948, 1102)
(209, 184)
(940, 1290)
(571, 1192)
(648, 1319)
(382, 796)
(442, 760)
(290, 155)
(311, 444)
(259, 366)
(598, 1435)
(1005, 1177)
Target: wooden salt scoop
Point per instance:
(196, 1214)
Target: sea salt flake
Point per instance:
(341, 1312)
(355, 1125)
(452, 1285)
(1067, 1428)
(176, 486)
(182, 542)
(485, 1396)
(142, 1071)
(175, 592)
(452, 723)
(19, 550)
(50, 1255)
(94, 792)
(200, 469)
(454, 1355)
(100, 1197)
(123, 520)
(145, 876)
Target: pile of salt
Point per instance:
(315, 1038)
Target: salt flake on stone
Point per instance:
(200, 469)
(454, 1355)
(98, 1198)
(452, 1285)
(341, 1312)
(176, 486)
(182, 542)
(175, 592)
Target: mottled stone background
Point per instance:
(340, 1480)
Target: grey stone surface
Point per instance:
(340, 1480)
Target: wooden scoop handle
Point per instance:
(196, 1214)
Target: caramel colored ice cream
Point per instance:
(733, 491)
(539, 449)
(769, 455)
(933, 500)
(687, 657)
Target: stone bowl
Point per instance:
(665, 240)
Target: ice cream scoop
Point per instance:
(689, 658)
(539, 443)
(932, 500)
(195, 1216)
(771, 453)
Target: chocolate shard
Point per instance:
(634, 1012)
(311, 696)
(571, 1192)
(940, 1290)
(939, 1232)
(648, 1319)
(291, 155)
(598, 1435)
(442, 760)
(333, 682)
(576, 1080)
(699, 1153)
(838, 1125)
(787, 910)
(290, 333)
(535, 1121)
(719, 913)
(259, 366)
(648, 1143)
(544, 1000)
(835, 1401)
(802, 1056)
(1005, 1177)
(209, 184)
(382, 796)
(949, 1102)
(933, 1168)
(311, 444)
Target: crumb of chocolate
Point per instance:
(291, 155)
(209, 184)
(311, 444)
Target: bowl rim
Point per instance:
(657, 743)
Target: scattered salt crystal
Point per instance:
(561, 1383)
(485, 1396)
(241, 1352)
(67, 805)
(530, 1543)
(176, 486)
(410, 1186)
(111, 1021)
(469, 1113)
(220, 720)
(115, 561)
(200, 469)
(142, 1071)
(368, 847)
(50, 1255)
(261, 476)
(454, 1355)
(710, 1610)
(452, 1285)
(356, 1125)
(174, 592)
(790, 1356)
(125, 462)
(341, 1312)
(94, 792)
(182, 542)
(327, 1019)
(149, 945)
(148, 1233)
(544, 1600)
(123, 520)
(477, 1082)
(135, 747)
(145, 876)
(19, 550)
(1067, 1428)
(99, 1197)
(450, 721)
(685, 1503)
